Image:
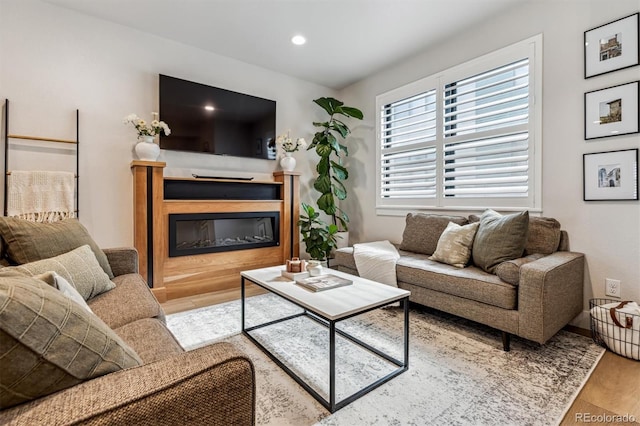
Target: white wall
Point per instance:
(607, 232)
(53, 61)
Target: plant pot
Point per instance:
(342, 239)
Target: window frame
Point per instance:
(530, 48)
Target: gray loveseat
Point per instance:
(532, 296)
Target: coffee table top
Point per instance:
(332, 304)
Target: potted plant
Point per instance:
(319, 237)
(330, 167)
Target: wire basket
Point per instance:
(616, 328)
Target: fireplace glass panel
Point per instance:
(215, 232)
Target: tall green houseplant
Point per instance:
(330, 168)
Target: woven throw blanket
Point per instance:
(41, 196)
(376, 261)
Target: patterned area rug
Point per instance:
(458, 373)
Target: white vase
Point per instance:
(147, 149)
(288, 163)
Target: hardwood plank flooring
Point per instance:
(612, 390)
(207, 299)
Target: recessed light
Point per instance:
(209, 108)
(298, 40)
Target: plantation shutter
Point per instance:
(408, 147)
(466, 138)
(486, 134)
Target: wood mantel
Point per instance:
(174, 277)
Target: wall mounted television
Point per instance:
(216, 121)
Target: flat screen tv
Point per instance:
(216, 121)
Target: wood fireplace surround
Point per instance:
(157, 197)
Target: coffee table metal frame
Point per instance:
(332, 405)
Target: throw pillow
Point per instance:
(454, 245)
(422, 231)
(499, 238)
(544, 235)
(56, 281)
(509, 271)
(30, 241)
(79, 267)
(51, 343)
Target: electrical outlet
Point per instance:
(612, 287)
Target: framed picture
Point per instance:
(612, 111)
(611, 175)
(612, 46)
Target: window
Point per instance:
(466, 138)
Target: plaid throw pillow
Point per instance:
(51, 342)
(79, 267)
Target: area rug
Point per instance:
(458, 373)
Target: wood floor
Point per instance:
(612, 390)
(208, 299)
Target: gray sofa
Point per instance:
(545, 291)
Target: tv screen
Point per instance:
(216, 121)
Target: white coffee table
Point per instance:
(328, 308)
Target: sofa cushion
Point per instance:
(51, 343)
(454, 245)
(422, 231)
(130, 300)
(79, 267)
(544, 236)
(499, 238)
(30, 241)
(150, 338)
(509, 271)
(344, 257)
(470, 283)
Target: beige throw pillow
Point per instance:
(30, 241)
(454, 245)
(51, 343)
(79, 267)
(499, 238)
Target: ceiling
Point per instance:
(347, 40)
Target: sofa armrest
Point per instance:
(123, 260)
(550, 294)
(212, 385)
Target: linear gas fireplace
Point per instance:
(200, 233)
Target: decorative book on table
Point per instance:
(293, 276)
(323, 282)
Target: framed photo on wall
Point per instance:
(612, 46)
(610, 175)
(612, 111)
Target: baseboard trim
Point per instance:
(577, 330)
(160, 293)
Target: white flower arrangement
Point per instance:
(156, 127)
(288, 144)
